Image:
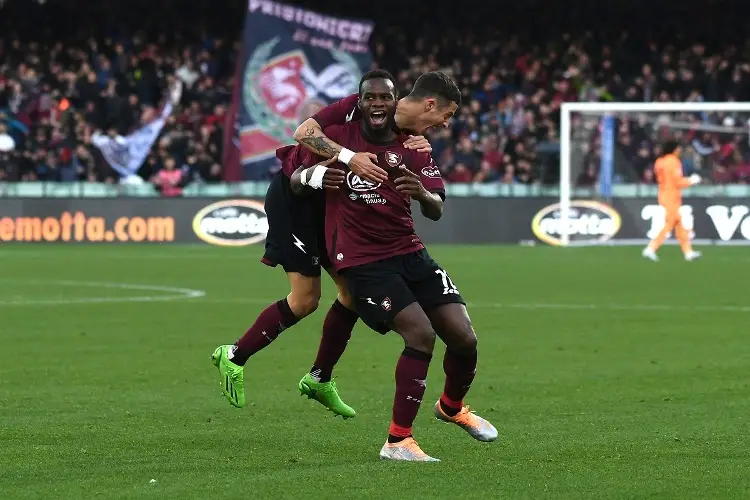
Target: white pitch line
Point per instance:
(541, 305)
(175, 293)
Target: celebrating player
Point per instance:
(668, 170)
(425, 107)
(395, 283)
(296, 242)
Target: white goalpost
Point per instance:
(684, 117)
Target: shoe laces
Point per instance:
(467, 417)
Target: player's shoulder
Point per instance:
(350, 100)
(413, 156)
(347, 128)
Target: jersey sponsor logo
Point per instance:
(231, 223)
(431, 171)
(589, 222)
(358, 184)
(393, 159)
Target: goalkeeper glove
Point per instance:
(695, 179)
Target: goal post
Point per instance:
(589, 125)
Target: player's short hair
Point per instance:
(377, 73)
(438, 85)
(669, 146)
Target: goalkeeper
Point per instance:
(668, 170)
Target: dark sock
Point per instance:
(337, 330)
(459, 374)
(411, 382)
(270, 323)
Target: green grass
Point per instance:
(608, 377)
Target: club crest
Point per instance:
(393, 159)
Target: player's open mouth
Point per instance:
(378, 117)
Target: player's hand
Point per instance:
(695, 179)
(365, 166)
(419, 143)
(410, 184)
(333, 177)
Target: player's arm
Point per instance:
(319, 176)
(310, 135)
(430, 203)
(679, 180)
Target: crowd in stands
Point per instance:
(58, 87)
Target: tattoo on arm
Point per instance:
(320, 145)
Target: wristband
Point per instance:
(345, 156)
(316, 178)
(303, 176)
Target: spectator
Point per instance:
(169, 180)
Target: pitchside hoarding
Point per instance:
(239, 222)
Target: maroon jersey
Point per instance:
(340, 112)
(291, 158)
(367, 222)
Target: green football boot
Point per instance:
(231, 376)
(326, 394)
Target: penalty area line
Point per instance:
(166, 293)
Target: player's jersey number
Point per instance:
(448, 286)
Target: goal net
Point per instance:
(608, 193)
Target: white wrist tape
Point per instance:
(315, 174)
(316, 178)
(346, 155)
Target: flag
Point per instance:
(294, 62)
(126, 154)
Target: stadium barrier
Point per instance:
(242, 221)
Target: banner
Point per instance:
(294, 62)
(710, 221)
(220, 222)
(242, 221)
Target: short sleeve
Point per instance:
(429, 174)
(338, 113)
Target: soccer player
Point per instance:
(395, 283)
(425, 107)
(668, 170)
(296, 242)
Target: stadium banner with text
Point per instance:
(710, 221)
(242, 221)
(633, 221)
(221, 222)
(294, 62)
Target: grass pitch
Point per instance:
(608, 377)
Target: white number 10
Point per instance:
(447, 282)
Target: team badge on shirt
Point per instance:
(393, 159)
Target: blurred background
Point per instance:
(69, 69)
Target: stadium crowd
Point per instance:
(58, 86)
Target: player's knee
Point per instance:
(345, 298)
(304, 304)
(466, 340)
(420, 337)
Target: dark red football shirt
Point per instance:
(337, 113)
(366, 222)
(340, 112)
